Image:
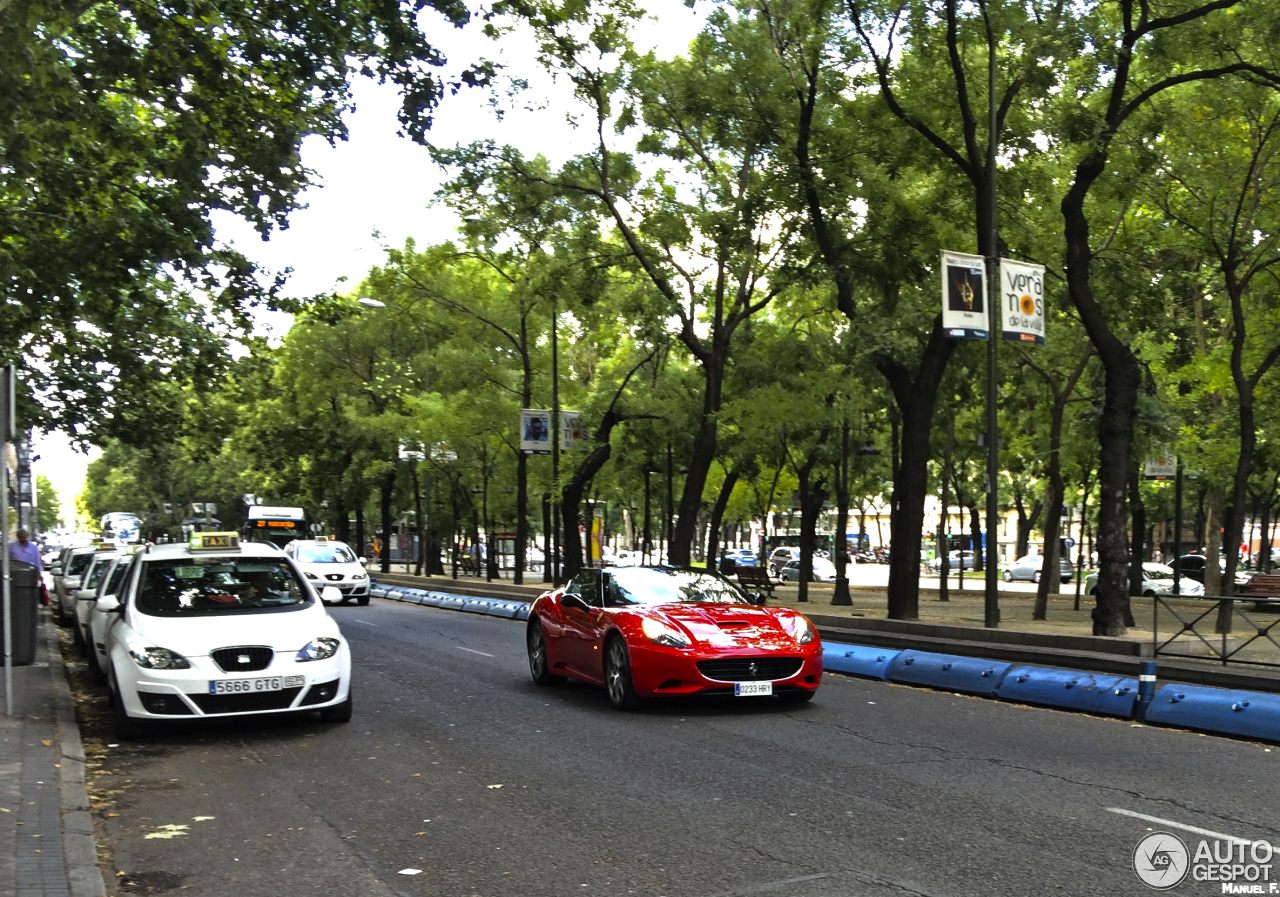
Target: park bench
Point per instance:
(1263, 587)
(757, 579)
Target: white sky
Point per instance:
(380, 182)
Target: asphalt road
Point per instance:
(458, 766)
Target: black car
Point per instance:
(1192, 567)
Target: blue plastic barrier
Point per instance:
(1070, 689)
(971, 675)
(1251, 714)
(858, 660)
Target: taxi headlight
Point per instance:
(159, 659)
(657, 631)
(318, 649)
(356, 577)
(798, 628)
(309, 575)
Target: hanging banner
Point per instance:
(572, 437)
(1161, 465)
(1022, 313)
(535, 431)
(964, 296)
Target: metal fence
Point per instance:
(1227, 630)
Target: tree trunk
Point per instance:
(943, 546)
(387, 491)
(975, 536)
(522, 515)
(717, 515)
(915, 399)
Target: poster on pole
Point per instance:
(964, 296)
(1161, 464)
(572, 437)
(535, 431)
(1022, 294)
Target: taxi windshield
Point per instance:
(662, 585)
(204, 586)
(78, 564)
(325, 554)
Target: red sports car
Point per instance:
(647, 631)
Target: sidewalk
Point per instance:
(47, 848)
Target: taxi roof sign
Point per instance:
(214, 541)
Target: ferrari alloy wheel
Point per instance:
(617, 676)
(537, 645)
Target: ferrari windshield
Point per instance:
(664, 585)
(204, 586)
(334, 553)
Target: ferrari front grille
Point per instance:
(750, 669)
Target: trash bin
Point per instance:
(24, 596)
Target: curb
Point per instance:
(79, 849)
(1220, 710)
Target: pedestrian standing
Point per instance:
(23, 549)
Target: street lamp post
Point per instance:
(424, 518)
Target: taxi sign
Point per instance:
(103, 545)
(214, 541)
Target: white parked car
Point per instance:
(823, 571)
(331, 563)
(103, 612)
(216, 628)
(87, 593)
(1157, 579)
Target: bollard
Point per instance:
(1146, 688)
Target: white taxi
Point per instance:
(218, 628)
(328, 562)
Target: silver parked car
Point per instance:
(1029, 567)
(1157, 579)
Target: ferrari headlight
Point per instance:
(159, 659)
(657, 631)
(798, 628)
(318, 649)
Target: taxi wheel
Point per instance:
(338, 713)
(77, 637)
(126, 725)
(1035, 577)
(363, 601)
(536, 643)
(1008, 577)
(617, 676)
(95, 668)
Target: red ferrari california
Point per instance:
(643, 632)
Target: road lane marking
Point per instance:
(473, 651)
(367, 623)
(1217, 836)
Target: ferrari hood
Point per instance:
(196, 636)
(732, 625)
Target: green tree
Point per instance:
(48, 505)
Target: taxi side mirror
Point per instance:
(108, 604)
(364, 562)
(331, 595)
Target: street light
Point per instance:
(423, 515)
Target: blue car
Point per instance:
(742, 557)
